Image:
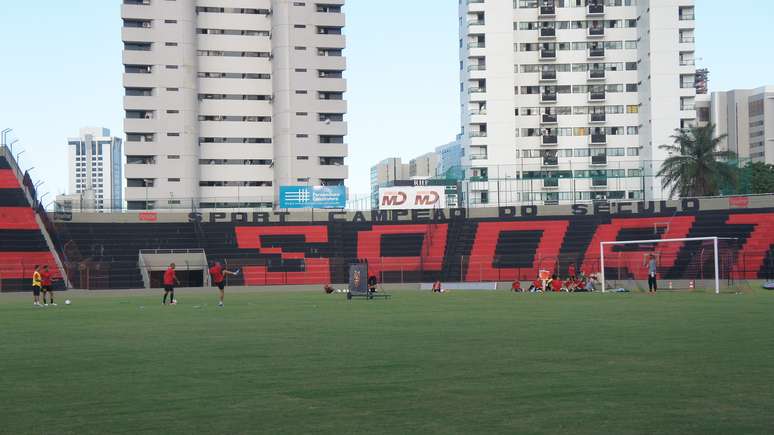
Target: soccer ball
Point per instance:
(68, 302)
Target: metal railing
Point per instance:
(103, 274)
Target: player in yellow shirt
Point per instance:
(36, 285)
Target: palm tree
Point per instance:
(696, 167)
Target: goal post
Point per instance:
(714, 241)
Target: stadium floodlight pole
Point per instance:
(10, 145)
(3, 134)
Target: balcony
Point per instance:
(548, 97)
(550, 139)
(549, 119)
(597, 74)
(477, 90)
(599, 161)
(550, 161)
(477, 67)
(548, 76)
(550, 183)
(598, 139)
(547, 32)
(599, 182)
(479, 156)
(597, 118)
(595, 9)
(596, 53)
(596, 32)
(597, 97)
(476, 22)
(547, 54)
(478, 134)
(478, 44)
(547, 11)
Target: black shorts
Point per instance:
(169, 288)
(46, 288)
(220, 285)
(36, 290)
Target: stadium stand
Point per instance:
(23, 242)
(476, 246)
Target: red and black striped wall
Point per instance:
(22, 244)
(452, 249)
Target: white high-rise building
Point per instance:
(227, 100)
(569, 100)
(95, 161)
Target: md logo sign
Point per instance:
(409, 198)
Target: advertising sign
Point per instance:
(408, 198)
(297, 197)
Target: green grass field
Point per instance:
(462, 362)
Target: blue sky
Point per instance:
(62, 70)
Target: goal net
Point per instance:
(695, 264)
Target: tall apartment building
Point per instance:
(95, 161)
(227, 100)
(569, 100)
(747, 117)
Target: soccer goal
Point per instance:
(699, 263)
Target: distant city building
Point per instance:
(95, 162)
(450, 157)
(702, 81)
(747, 117)
(703, 107)
(424, 166)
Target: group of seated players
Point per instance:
(573, 283)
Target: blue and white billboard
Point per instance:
(313, 197)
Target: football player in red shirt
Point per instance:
(46, 285)
(170, 279)
(218, 274)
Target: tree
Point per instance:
(761, 177)
(696, 167)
